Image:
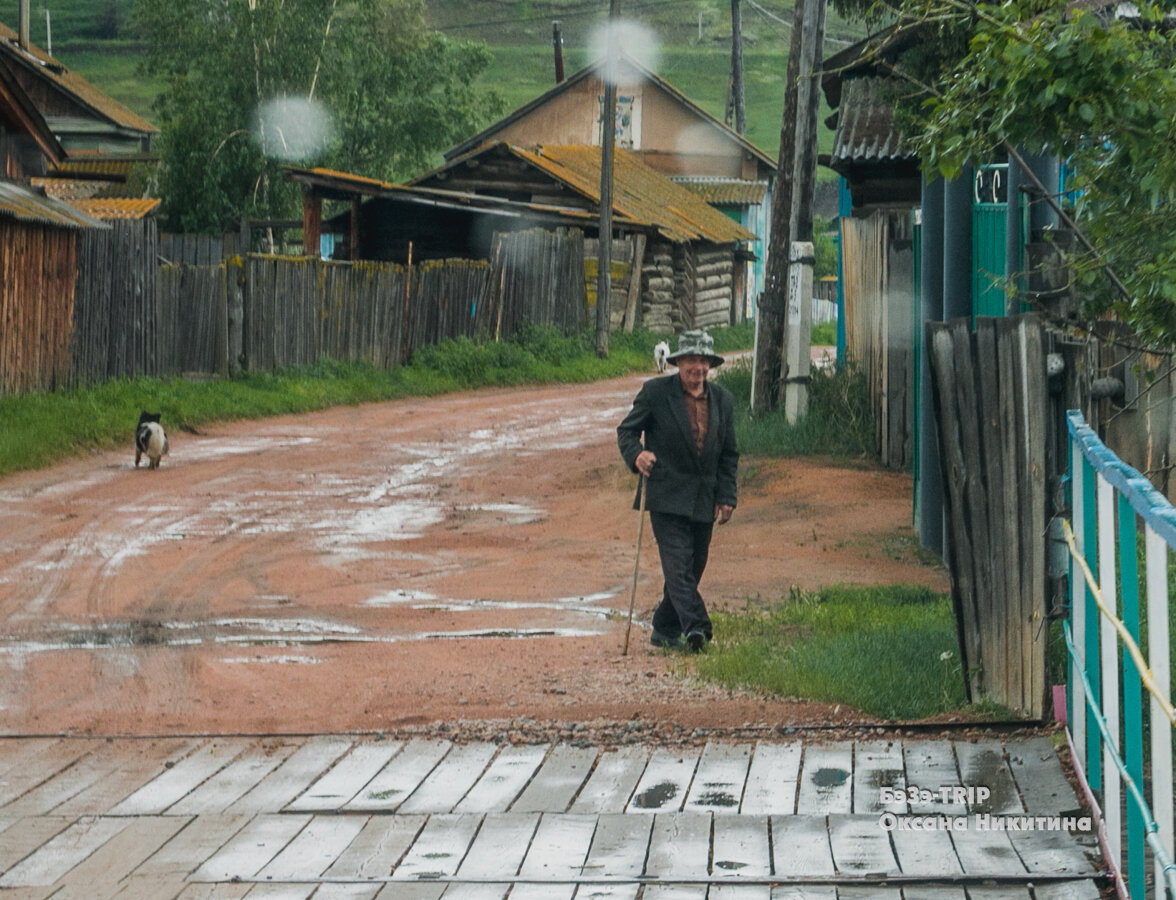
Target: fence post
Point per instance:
(1108, 663)
(1159, 661)
(1076, 715)
(235, 288)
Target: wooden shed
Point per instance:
(689, 256)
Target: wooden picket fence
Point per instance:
(990, 394)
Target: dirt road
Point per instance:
(461, 558)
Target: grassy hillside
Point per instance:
(95, 38)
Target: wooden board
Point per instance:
(98, 876)
(665, 781)
(719, 778)
(439, 848)
(983, 764)
(1067, 890)
(877, 765)
(173, 784)
(500, 845)
(139, 762)
(200, 839)
(826, 784)
(23, 836)
(542, 892)
(618, 846)
(49, 863)
(558, 780)
(679, 846)
(44, 766)
(347, 891)
(674, 892)
(559, 847)
(612, 782)
(1039, 776)
(925, 853)
(1051, 852)
(804, 892)
(986, 853)
(933, 892)
(410, 892)
(504, 779)
(931, 766)
(313, 849)
(740, 847)
(452, 778)
(232, 782)
(772, 779)
(88, 770)
(346, 779)
(401, 777)
(248, 851)
(293, 776)
(800, 846)
(377, 849)
(860, 846)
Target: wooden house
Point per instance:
(78, 114)
(661, 128)
(39, 239)
(688, 256)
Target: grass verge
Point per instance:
(839, 422)
(889, 651)
(42, 428)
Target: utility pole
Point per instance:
(792, 205)
(736, 109)
(608, 139)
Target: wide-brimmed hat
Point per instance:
(696, 343)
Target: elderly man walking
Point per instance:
(680, 436)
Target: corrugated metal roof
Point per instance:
(69, 188)
(640, 194)
(107, 208)
(724, 191)
(28, 206)
(865, 124)
(101, 163)
(37, 60)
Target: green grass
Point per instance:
(839, 422)
(890, 652)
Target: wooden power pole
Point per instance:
(607, 141)
(736, 108)
(792, 204)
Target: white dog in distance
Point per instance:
(660, 352)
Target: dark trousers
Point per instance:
(683, 546)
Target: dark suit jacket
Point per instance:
(683, 482)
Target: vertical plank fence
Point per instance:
(1118, 641)
(118, 327)
(989, 389)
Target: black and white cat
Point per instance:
(150, 440)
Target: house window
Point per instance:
(626, 123)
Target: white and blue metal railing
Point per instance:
(1109, 673)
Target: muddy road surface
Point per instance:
(446, 560)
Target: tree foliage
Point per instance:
(394, 93)
(1074, 81)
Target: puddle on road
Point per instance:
(251, 632)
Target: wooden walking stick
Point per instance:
(641, 492)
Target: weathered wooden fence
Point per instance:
(540, 280)
(37, 277)
(879, 325)
(990, 402)
(118, 328)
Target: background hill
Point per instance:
(692, 39)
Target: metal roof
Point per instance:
(107, 208)
(724, 191)
(865, 124)
(642, 196)
(44, 66)
(28, 206)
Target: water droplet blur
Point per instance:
(633, 40)
(293, 129)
